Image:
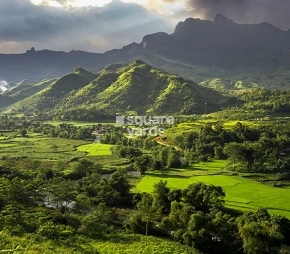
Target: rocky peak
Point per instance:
(221, 19)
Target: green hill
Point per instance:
(228, 85)
(5, 101)
(49, 97)
(22, 91)
(119, 89)
(140, 88)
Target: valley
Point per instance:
(61, 153)
(86, 165)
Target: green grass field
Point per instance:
(76, 123)
(137, 244)
(37, 146)
(40, 147)
(241, 193)
(95, 149)
(57, 123)
(101, 154)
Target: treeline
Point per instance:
(159, 158)
(261, 148)
(264, 147)
(277, 101)
(63, 130)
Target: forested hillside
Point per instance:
(118, 89)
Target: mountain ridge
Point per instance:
(119, 89)
(233, 50)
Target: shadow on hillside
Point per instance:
(192, 167)
(237, 204)
(164, 175)
(127, 239)
(276, 208)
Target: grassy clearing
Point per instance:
(250, 124)
(57, 123)
(95, 149)
(53, 149)
(101, 153)
(79, 124)
(41, 147)
(196, 125)
(241, 194)
(137, 244)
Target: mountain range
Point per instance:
(199, 50)
(135, 88)
(197, 65)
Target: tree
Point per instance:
(260, 233)
(83, 168)
(18, 191)
(173, 160)
(204, 197)
(11, 219)
(99, 222)
(163, 156)
(214, 232)
(145, 209)
(284, 227)
(179, 216)
(197, 234)
(234, 151)
(218, 153)
(59, 193)
(160, 197)
(143, 163)
(175, 195)
(23, 133)
(120, 184)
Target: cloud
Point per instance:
(3, 86)
(114, 25)
(72, 3)
(97, 29)
(275, 12)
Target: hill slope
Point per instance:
(119, 89)
(24, 90)
(49, 97)
(5, 101)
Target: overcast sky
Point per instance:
(100, 25)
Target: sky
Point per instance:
(101, 25)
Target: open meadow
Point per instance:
(37, 146)
(40, 147)
(95, 149)
(137, 244)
